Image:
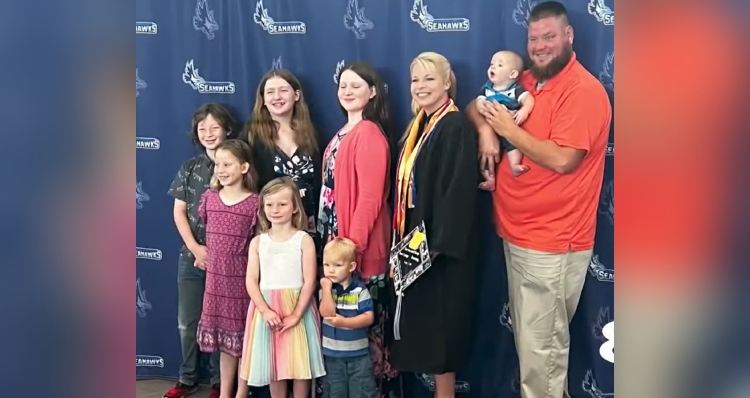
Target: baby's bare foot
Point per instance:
(518, 169)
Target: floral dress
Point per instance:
(300, 168)
(328, 226)
(229, 230)
(386, 377)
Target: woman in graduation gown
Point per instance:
(437, 182)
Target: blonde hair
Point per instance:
(442, 67)
(299, 218)
(514, 59)
(241, 151)
(341, 249)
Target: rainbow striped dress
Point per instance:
(295, 354)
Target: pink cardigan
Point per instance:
(361, 194)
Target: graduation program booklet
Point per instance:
(410, 259)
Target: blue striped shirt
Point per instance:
(350, 302)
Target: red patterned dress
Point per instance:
(229, 230)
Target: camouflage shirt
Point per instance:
(191, 182)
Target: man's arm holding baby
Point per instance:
(527, 105)
(489, 143)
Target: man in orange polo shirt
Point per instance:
(547, 216)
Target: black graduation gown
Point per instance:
(438, 308)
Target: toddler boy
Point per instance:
(347, 310)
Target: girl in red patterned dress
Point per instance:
(230, 211)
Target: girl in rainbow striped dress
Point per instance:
(282, 336)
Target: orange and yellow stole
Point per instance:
(405, 173)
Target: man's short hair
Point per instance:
(341, 249)
(548, 9)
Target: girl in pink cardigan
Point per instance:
(354, 196)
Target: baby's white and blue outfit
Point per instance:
(509, 97)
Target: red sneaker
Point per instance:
(215, 391)
(181, 390)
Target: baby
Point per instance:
(505, 68)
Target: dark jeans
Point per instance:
(191, 282)
(349, 378)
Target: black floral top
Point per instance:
(300, 168)
(303, 168)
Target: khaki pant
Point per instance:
(544, 289)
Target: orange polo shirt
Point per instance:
(541, 209)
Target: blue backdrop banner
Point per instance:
(190, 52)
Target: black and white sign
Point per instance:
(410, 258)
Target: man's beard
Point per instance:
(555, 65)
